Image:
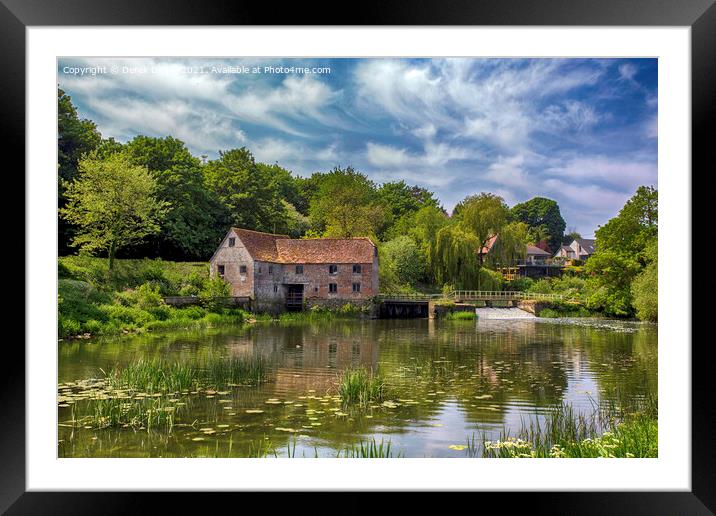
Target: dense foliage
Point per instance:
(150, 197)
(544, 220)
(626, 246)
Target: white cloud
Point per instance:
(434, 155)
(627, 71)
(478, 100)
(509, 172)
(201, 129)
(620, 173)
(387, 156)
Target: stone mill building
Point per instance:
(281, 273)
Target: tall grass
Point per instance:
(611, 430)
(147, 413)
(358, 386)
(158, 375)
(369, 450)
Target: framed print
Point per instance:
(429, 239)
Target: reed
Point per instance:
(146, 413)
(612, 431)
(158, 375)
(369, 450)
(358, 386)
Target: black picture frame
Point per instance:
(700, 15)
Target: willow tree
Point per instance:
(483, 216)
(113, 203)
(510, 246)
(454, 256)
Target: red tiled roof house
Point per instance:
(278, 272)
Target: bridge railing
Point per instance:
(475, 295)
(503, 294)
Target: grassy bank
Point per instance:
(610, 432)
(94, 301)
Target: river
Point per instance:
(449, 380)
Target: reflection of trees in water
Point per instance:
(487, 368)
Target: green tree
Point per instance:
(75, 138)
(404, 257)
(251, 198)
(346, 205)
(197, 219)
(621, 253)
(454, 256)
(511, 245)
(402, 199)
(645, 287)
(483, 216)
(113, 203)
(543, 218)
(633, 229)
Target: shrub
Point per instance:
(191, 312)
(520, 284)
(214, 290)
(145, 297)
(128, 315)
(192, 285)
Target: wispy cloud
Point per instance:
(581, 131)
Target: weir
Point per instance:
(503, 313)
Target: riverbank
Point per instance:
(93, 301)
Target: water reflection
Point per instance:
(448, 380)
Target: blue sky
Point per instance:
(580, 131)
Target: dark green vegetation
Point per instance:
(544, 220)
(94, 300)
(159, 395)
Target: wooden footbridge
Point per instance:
(418, 305)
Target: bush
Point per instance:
(214, 290)
(193, 284)
(520, 284)
(192, 312)
(131, 316)
(145, 297)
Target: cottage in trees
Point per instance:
(278, 272)
(579, 249)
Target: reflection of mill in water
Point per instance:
(302, 359)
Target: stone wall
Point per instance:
(232, 258)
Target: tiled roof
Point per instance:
(268, 247)
(534, 250)
(587, 244)
(261, 246)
